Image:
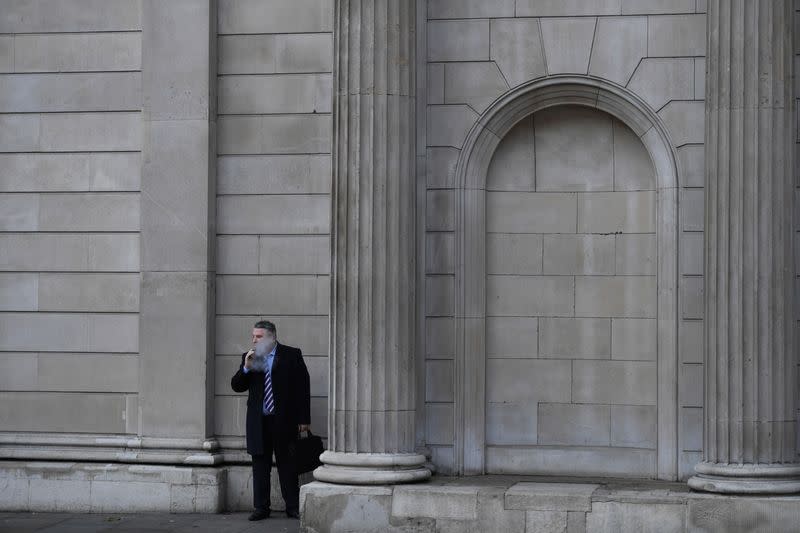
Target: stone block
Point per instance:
(237, 254)
(292, 295)
(278, 174)
(575, 338)
(77, 372)
(440, 253)
(78, 52)
(634, 426)
(69, 252)
(676, 35)
(527, 381)
(617, 212)
(700, 78)
(567, 43)
(439, 337)
(636, 254)
(275, 93)
(685, 122)
(692, 254)
(253, 16)
(19, 212)
(619, 44)
(565, 460)
(62, 412)
(614, 382)
(318, 372)
(70, 172)
(89, 132)
(574, 425)
(439, 380)
(509, 337)
(691, 429)
(618, 297)
(657, 7)
(274, 134)
(756, 514)
(76, 332)
(6, 53)
(310, 333)
(513, 166)
(658, 81)
(440, 210)
(448, 125)
(458, 40)
(439, 295)
(475, 84)
(566, 8)
(508, 212)
(89, 292)
(229, 413)
(691, 159)
(276, 214)
(511, 423)
(690, 385)
(294, 255)
(633, 168)
(435, 83)
(42, 16)
(63, 495)
(439, 423)
(578, 254)
(19, 372)
(440, 166)
(461, 9)
(89, 212)
(692, 209)
(19, 132)
(550, 496)
(546, 521)
(692, 302)
(19, 292)
(634, 339)
(516, 48)
(120, 496)
(431, 501)
(573, 150)
(276, 53)
(635, 517)
(106, 91)
(14, 494)
(514, 253)
(529, 296)
(691, 341)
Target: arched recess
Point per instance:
(470, 282)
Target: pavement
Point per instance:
(144, 523)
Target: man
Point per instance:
(278, 408)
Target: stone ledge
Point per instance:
(550, 496)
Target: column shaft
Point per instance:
(372, 398)
(750, 373)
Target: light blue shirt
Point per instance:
(270, 359)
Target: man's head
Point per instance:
(264, 329)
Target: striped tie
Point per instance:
(269, 403)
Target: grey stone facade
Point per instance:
(484, 222)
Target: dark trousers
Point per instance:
(287, 471)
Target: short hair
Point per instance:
(267, 325)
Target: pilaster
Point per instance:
(750, 358)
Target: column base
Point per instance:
(746, 479)
(371, 468)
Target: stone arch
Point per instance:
(470, 282)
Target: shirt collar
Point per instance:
(274, 348)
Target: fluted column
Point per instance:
(750, 442)
(371, 413)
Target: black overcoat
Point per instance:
(290, 391)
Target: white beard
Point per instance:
(262, 348)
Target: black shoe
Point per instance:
(292, 513)
(258, 514)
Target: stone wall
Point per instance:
(70, 168)
(273, 190)
(478, 50)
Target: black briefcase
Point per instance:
(307, 451)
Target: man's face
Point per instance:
(258, 334)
